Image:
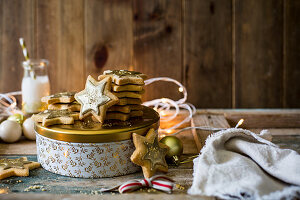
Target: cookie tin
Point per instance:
(87, 150)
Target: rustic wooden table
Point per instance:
(284, 125)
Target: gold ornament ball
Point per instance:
(17, 118)
(174, 144)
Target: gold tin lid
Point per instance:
(92, 132)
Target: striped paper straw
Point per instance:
(23, 46)
(26, 55)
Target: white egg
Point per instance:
(10, 131)
(28, 129)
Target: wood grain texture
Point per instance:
(207, 52)
(229, 53)
(216, 121)
(259, 56)
(108, 35)
(279, 131)
(157, 44)
(292, 54)
(133, 196)
(59, 187)
(1, 45)
(258, 118)
(48, 38)
(23, 146)
(17, 20)
(62, 187)
(188, 141)
(60, 39)
(57, 184)
(248, 111)
(265, 120)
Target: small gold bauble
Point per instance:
(174, 144)
(175, 149)
(17, 118)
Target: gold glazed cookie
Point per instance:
(96, 98)
(125, 109)
(74, 106)
(135, 95)
(128, 87)
(16, 167)
(50, 117)
(122, 109)
(149, 153)
(136, 113)
(123, 77)
(135, 107)
(117, 116)
(63, 97)
(127, 101)
(124, 116)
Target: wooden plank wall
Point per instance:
(207, 52)
(228, 53)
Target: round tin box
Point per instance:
(85, 149)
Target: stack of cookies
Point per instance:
(117, 95)
(62, 109)
(128, 86)
(62, 101)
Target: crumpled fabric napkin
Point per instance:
(238, 164)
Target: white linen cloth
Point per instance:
(238, 164)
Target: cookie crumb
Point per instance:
(34, 187)
(180, 187)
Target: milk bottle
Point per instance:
(35, 85)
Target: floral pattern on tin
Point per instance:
(87, 160)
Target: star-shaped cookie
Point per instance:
(16, 167)
(149, 153)
(74, 106)
(96, 98)
(50, 117)
(124, 77)
(63, 97)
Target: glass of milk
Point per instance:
(35, 85)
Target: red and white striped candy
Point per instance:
(159, 182)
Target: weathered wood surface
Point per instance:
(52, 186)
(279, 131)
(48, 37)
(259, 118)
(60, 38)
(17, 20)
(108, 36)
(207, 52)
(157, 44)
(259, 57)
(57, 184)
(26, 147)
(254, 120)
(216, 121)
(291, 53)
(241, 53)
(104, 197)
